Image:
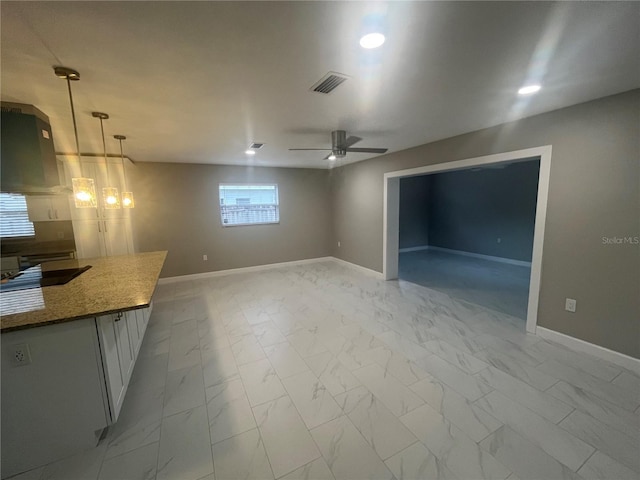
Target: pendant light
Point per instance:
(84, 188)
(110, 195)
(127, 197)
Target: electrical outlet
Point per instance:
(499, 240)
(338, 243)
(570, 305)
(20, 355)
(205, 258)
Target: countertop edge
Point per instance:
(73, 319)
(136, 304)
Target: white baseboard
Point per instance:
(355, 266)
(578, 345)
(413, 249)
(510, 261)
(232, 271)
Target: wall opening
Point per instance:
(469, 233)
(391, 220)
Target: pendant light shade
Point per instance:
(84, 192)
(127, 197)
(110, 195)
(84, 188)
(127, 200)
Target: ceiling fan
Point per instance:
(341, 145)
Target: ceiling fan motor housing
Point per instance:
(338, 143)
(338, 139)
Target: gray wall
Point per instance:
(414, 212)
(593, 193)
(177, 210)
(469, 210)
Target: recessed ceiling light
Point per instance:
(529, 89)
(372, 40)
(250, 152)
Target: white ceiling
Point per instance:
(198, 81)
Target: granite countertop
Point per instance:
(112, 284)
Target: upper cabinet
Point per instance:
(47, 208)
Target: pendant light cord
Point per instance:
(104, 147)
(123, 172)
(75, 126)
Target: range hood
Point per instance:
(29, 164)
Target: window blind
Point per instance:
(14, 218)
(249, 204)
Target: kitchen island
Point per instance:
(112, 284)
(68, 352)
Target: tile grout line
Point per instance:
(255, 420)
(165, 388)
(357, 301)
(586, 460)
(206, 404)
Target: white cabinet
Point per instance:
(142, 318)
(89, 238)
(52, 407)
(120, 337)
(103, 237)
(117, 359)
(100, 231)
(116, 386)
(117, 236)
(134, 333)
(45, 208)
(73, 387)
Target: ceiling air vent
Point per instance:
(11, 109)
(256, 146)
(329, 82)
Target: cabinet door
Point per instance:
(39, 208)
(89, 238)
(60, 207)
(124, 347)
(142, 325)
(116, 384)
(134, 333)
(117, 234)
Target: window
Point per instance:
(14, 219)
(249, 204)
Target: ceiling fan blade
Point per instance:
(350, 141)
(326, 149)
(367, 150)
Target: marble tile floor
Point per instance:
(320, 371)
(499, 286)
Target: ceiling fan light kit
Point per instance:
(341, 145)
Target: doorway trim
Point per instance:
(391, 213)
